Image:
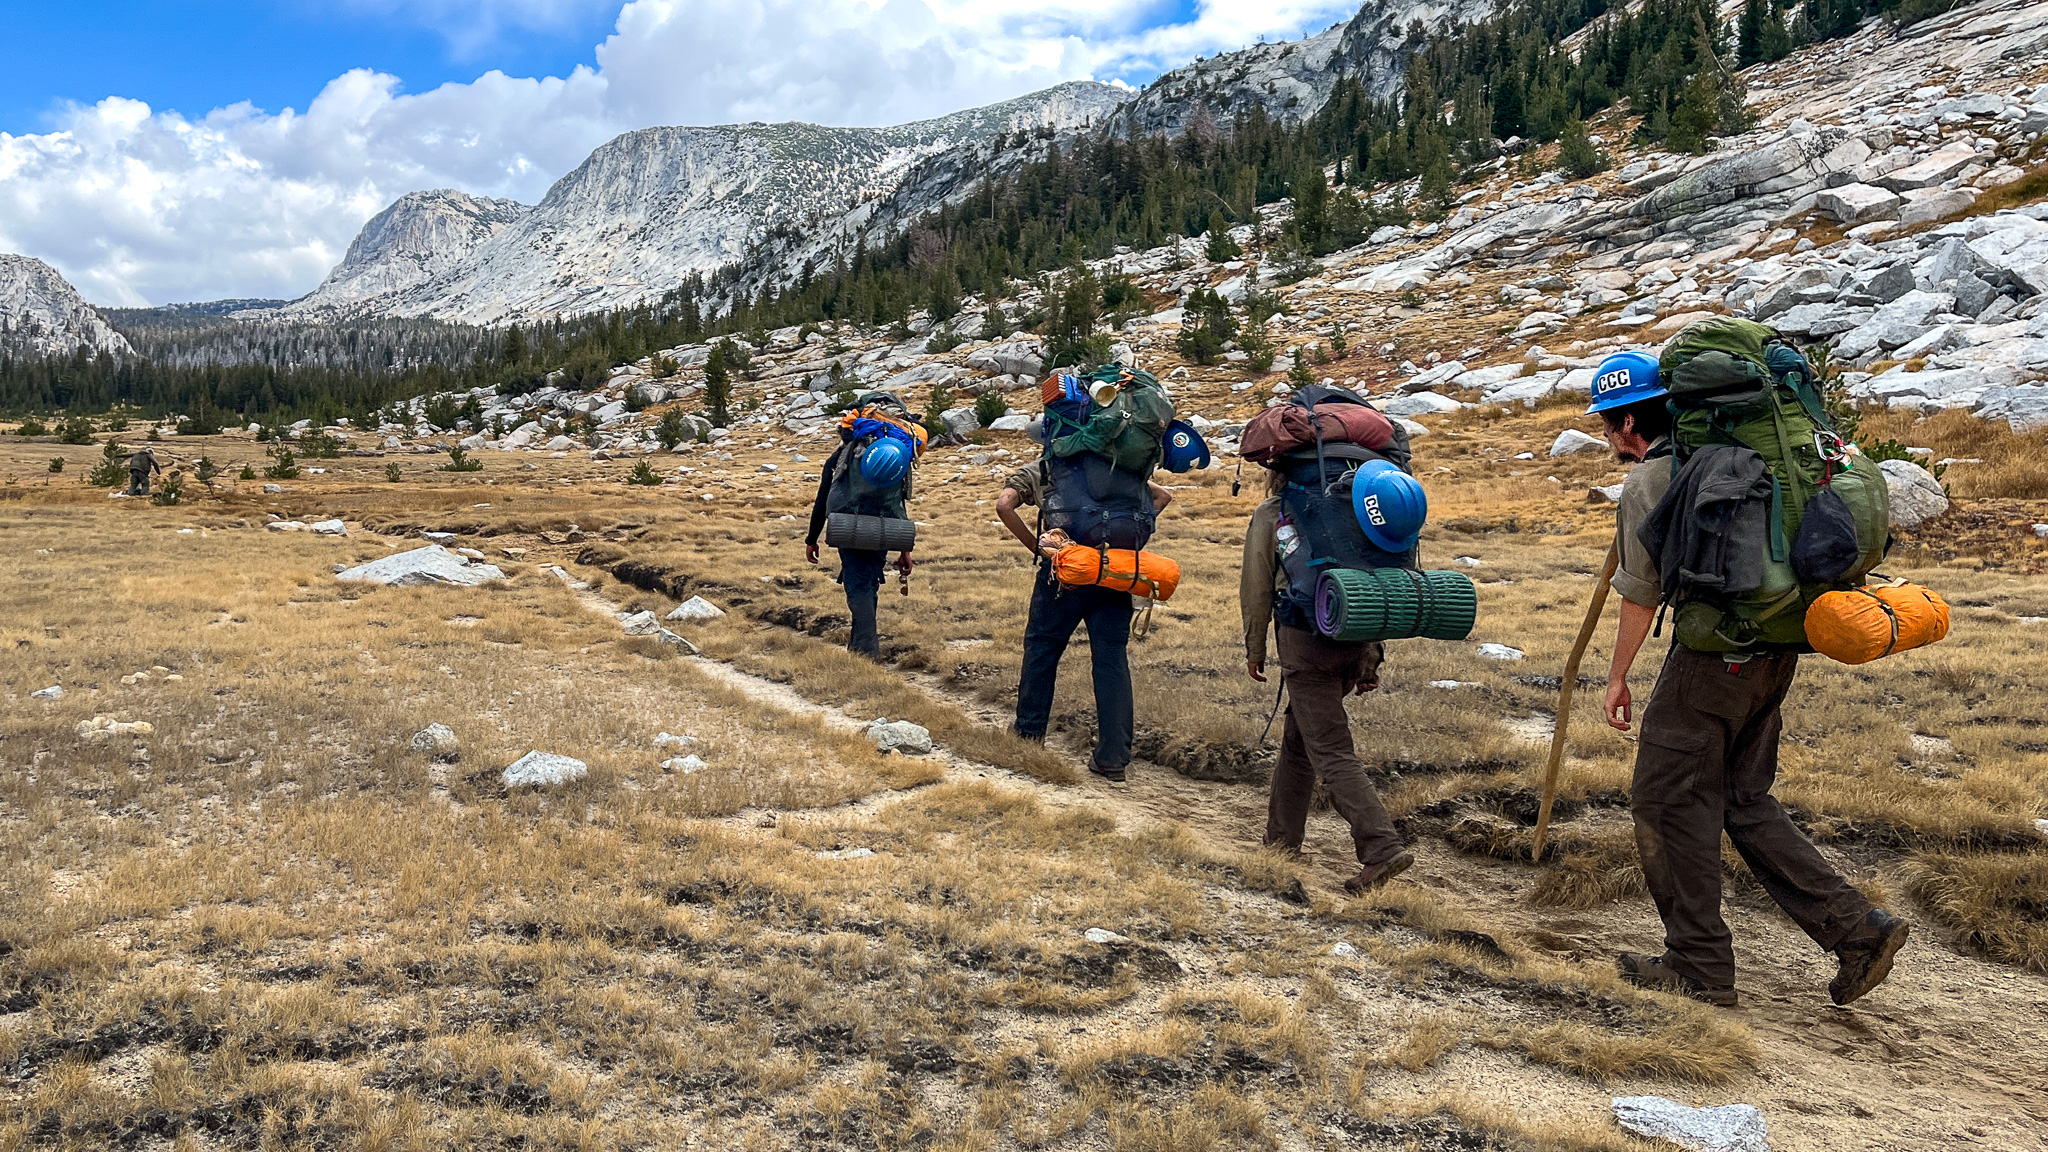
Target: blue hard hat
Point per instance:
(1390, 505)
(1184, 448)
(885, 462)
(1625, 378)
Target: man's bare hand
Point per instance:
(811, 553)
(1257, 670)
(1620, 706)
(905, 564)
(1365, 686)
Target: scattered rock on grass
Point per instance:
(847, 854)
(696, 608)
(327, 528)
(1729, 1128)
(1103, 936)
(1500, 652)
(671, 740)
(684, 764)
(53, 692)
(544, 769)
(104, 726)
(1571, 441)
(438, 741)
(1916, 496)
(1345, 949)
(640, 624)
(430, 565)
(899, 736)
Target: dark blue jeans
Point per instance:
(1055, 612)
(861, 574)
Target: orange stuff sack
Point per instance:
(1862, 624)
(1143, 573)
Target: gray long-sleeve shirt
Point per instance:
(1636, 578)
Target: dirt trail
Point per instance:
(1947, 1052)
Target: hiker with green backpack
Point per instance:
(1104, 434)
(1744, 508)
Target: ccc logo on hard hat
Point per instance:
(1610, 381)
(1373, 513)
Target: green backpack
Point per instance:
(1736, 382)
(1131, 429)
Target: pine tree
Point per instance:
(717, 386)
(1221, 246)
(1576, 153)
(514, 352)
(1749, 37)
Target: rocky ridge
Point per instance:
(41, 314)
(420, 236)
(1291, 80)
(650, 207)
(1508, 302)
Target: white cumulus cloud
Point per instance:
(137, 206)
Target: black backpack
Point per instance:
(850, 491)
(1316, 497)
(1097, 503)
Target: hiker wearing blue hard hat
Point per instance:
(1630, 399)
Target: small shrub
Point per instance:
(1340, 339)
(155, 435)
(284, 465)
(30, 426)
(266, 434)
(76, 430)
(459, 461)
(111, 469)
(118, 423)
(943, 339)
(56, 464)
(1882, 450)
(168, 492)
(671, 430)
(989, 405)
(248, 472)
(643, 474)
(393, 472)
(319, 446)
(665, 367)
(207, 470)
(1299, 376)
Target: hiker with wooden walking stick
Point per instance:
(1707, 755)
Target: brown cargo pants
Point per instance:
(1320, 672)
(1706, 762)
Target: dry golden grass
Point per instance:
(282, 921)
(269, 922)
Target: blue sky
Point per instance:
(193, 57)
(178, 151)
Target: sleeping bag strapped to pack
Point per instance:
(1319, 526)
(870, 473)
(1099, 458)
(1781, 512)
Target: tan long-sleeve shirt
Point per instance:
(1260, 579)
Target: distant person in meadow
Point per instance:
(1081, 499)
(860, 508)
(140, 465)
(1708, 754)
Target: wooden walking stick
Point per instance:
(1562, 727)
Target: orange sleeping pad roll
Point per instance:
(1143, 573)
(1862, 624)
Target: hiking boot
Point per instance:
(1373, 875)
(1645, 971)
(1866, 957)
(1113, 774)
